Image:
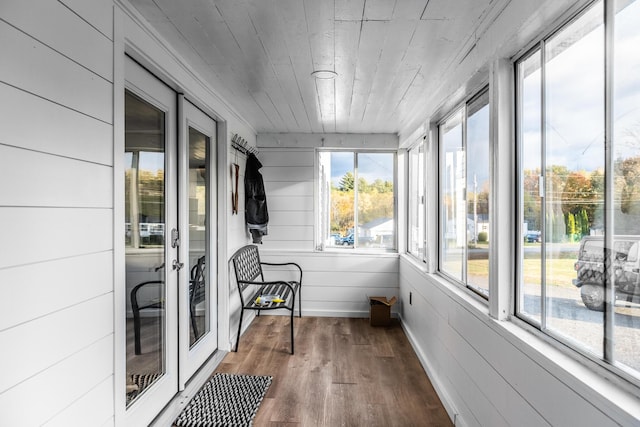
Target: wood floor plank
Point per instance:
(344, 373)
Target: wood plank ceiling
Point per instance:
(389, 55)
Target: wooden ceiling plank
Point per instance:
(294, 26)
(349, 10)
(379, 10)
(393, 57)
(319, 15)
(294, 101)
(373, 34)
(409, 9)
(347, 40)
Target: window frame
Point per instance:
(462, 108)
(419, 149)
(323, 230)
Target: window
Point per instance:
(578, 208)
(357, 188)
(464, 195)
(416, 226)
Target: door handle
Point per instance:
(177, 265)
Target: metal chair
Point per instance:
(197, 294)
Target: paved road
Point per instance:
(568, 316)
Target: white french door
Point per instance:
(151, 258)
(170, 242)
(197, 207)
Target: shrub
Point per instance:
(482, 237)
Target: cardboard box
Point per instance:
(380, 310)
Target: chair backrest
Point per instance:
(197, 282)
(246, 263)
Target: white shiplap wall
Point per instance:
(56, 260)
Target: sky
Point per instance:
(371, 166)
(575, 99)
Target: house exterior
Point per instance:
(65, 275)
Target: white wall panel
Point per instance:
(285, 203)
(274, 157)
(42, 234)
(90, 406)
(290, 218)
(97, 13)
(287, 173)
(34, 67)
(47, 340)
(289, 189)
(62, 30)
(376, 278)
(290, 232)
(52, 128)
(346, 293)
(46, 180)
(58, 387)
(47, 287)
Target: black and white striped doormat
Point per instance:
(225, 400)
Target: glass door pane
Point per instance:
(145, 241)
(198, 210)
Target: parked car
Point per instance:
(533, 238)
(348, 240)
(590, 269)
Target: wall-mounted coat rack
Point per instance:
(241, 145)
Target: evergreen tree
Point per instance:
(347, 182)
(571, 224)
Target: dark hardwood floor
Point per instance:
(344, 373)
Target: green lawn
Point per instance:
(560, 272)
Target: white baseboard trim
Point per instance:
(434, 378)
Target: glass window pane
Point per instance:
(478, 185)
(416, 201)
(339, 168)
(530, 137)
(626, 154)
(375, 199)
(453, 214)
(574, 164)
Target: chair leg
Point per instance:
(291, 331)
(194, 324)
(300, 301)
(136, 331)
(239, 330)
